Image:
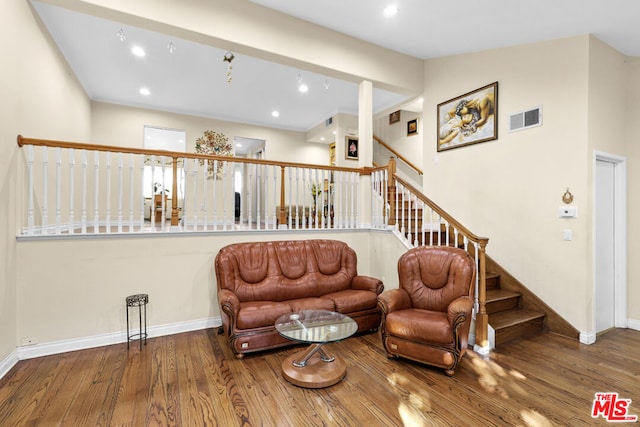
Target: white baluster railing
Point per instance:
(113, 192)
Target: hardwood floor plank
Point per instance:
(193, 379)
(65, 387)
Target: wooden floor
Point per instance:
(193, 379)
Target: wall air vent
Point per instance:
(328, 122)
(525, 119)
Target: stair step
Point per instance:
(512, 324)
(493, 281)
(501, 299)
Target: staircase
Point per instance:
(504, 307)
(506, 315)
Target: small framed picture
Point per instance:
(332, 154)
(412, 127)
(351, 148)
(394, 117)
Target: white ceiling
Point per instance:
(192, 79)
(429, 29)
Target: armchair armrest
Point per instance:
(394, 299)
(229, 302)
(459, 308)
(367, 283)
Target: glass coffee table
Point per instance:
(315, 367)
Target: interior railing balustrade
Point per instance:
(88, 189)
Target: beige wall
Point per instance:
(123, 126)
(632, 88)
(510, 189)
(79, 287)
(395, 135)
(40, 98)
(608, 88)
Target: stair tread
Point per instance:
(505, 319)
(500, 294)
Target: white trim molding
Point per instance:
(587, 337)
(63, 346)
(633, 324)
(8, 362)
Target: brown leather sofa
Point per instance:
(428, 318)
(260, 281)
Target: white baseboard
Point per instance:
(8, 362)
(587, 337)
(590, 337)
(63, 346)
(633, 324)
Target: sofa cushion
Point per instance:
(351, 300)
(420, 325)
(311, 304)
(258, 314)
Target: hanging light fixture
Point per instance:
(228, 57)
(121, 35)
(171, 47)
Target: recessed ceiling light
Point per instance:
(303, 88)
(390, 10)
(138, 51)
(322, 138)
(275, 113)
(144, 91)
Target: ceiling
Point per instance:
(430, 29)
(193, 78)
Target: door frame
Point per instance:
(620, 237)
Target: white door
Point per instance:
(605, 295)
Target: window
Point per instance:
(162, 139)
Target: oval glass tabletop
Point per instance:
(316, 326)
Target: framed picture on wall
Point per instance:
(468, 119)
(351, 148)
(394, 117)
(332, 154)
(412, 127)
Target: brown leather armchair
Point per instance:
(427, 318)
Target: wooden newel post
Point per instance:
(282, 214)
(391, 190)
(482, 318)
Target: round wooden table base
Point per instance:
(316, 374)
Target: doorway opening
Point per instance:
(610, 245)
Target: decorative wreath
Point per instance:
(215, 144)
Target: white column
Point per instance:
(365, 123)
(365, 149)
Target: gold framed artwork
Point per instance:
(332, 154)
(351, 147)
(412, 127)
(394, 117)
(468, 119)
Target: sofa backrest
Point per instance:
(283, 270)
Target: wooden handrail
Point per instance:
(473, 237)
(398, 155)
(116, 149)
